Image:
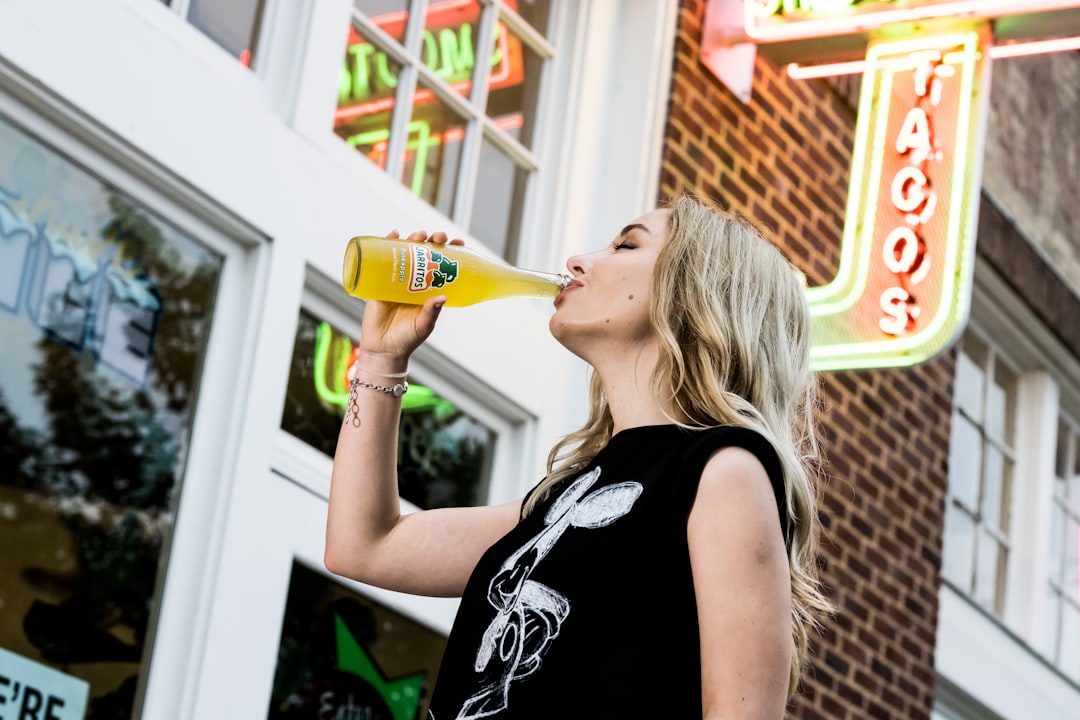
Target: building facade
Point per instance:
(177, 184)
(950, 503)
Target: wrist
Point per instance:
(382, 364)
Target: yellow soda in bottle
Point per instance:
(400, 271)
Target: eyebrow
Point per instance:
(634, 226)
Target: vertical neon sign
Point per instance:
(902, 291)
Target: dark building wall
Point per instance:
(1032, 161)
(783, 160)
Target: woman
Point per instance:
(664, 567)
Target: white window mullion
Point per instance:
(1033, 488)
(470, 151)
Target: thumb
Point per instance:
(429, 314)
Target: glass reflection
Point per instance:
(343, 655)
(433, 153)
(390, 15)
(233, 25)
(104, 311)
(514, 86)
(366, 88)
(444, 454)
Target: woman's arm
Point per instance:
(743, 590)
(430, 552)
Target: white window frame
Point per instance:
(198, 530)
(1003, 537)
(994, 659)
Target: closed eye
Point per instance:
(621, 245)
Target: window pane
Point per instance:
(449, 40)
(499, 188)
(389, 15)
(1072, 486)
(997, 475)
(366, 89)
(970, 376)
(1069, 657)
(1051, 623)
(1057, 541)
(959, 547)
(233, 25)
(964, 462)
(105, 311)
(514, 86)
(443, 454)
(344, 655)
(989, 573)
(433, 155)
(1000, 404)
(1061, 453)
(1070, 576)
(535, 12)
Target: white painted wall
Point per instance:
(251, 158)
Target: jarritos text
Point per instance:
(430, 269)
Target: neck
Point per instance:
(628, 387)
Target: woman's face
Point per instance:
(608, 299)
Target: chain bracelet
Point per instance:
(397, 390)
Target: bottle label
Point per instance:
(430, 269)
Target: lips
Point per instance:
(574, 285)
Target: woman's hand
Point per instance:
(390, 332)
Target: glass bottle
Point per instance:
(401, 271)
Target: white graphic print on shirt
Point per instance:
(529, 613)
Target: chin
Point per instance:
(567, 335)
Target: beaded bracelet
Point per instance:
(397, 390)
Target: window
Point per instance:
(344, 655)
(444, 453)
(233, 25)
(105, 312)
(1061, 638)
(982, 456)
(459, 133)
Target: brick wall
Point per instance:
(782, 160)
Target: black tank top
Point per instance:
(586, 609)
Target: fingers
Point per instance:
(419, 236)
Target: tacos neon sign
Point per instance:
(902, 290)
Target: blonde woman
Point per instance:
(664, 567)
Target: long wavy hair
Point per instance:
(733, 325)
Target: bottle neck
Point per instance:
(559, 279)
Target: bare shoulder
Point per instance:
(735, 493)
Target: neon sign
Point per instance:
(902, 290)
(334, 354)
(367, 82)
(833, 31)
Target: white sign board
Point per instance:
(32, 691)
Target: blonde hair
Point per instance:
(733, 326)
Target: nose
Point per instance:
(578, 264)
(583, 263)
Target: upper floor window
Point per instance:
(234, 25)
(1061, 637)
(982, 456)
(445, 95)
